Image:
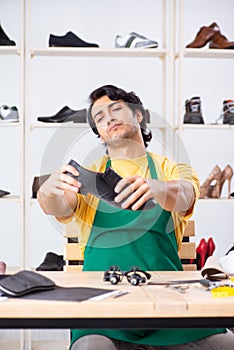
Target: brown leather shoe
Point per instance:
(204, 35)
(219, 41)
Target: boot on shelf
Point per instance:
(193, 112)
(228, 112)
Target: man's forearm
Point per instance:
(175, 196)
(59, 206)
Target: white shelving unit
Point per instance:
(49, 78)
(45, 59)
(210, 143)
(45, 71)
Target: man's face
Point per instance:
(114, 120)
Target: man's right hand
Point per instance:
(58, 195)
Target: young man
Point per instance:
(128, 236)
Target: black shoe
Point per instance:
(68, 40)
(66, 114)
(52, 262)
(193, 114)
(37, 182)
(3, 193)
(102, 185)
(228, 112)
(4, 40)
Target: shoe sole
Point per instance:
(229, 120)
(194, 121)
(9, 120)
(153, 46)
(78, 117)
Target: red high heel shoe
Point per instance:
(201, 253)
(210, 247)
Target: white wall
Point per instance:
(58, 81)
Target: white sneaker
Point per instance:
(9, 114)
(134, 40)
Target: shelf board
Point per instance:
(206, 126)
(216, 200)
(59, 125)
(10, 198)
(207, 53)
(9, 50)
(10, 124)
(82, 125)
(97, 52)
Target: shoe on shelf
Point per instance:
(4, 39)
(219, 41)
(214, 191)
(3, 193)
(9, 114)
(66, 114)
(208, 189)
(69, 40)
(52, 262)
(134, 40)
(204, 35)
(193, 113)
(37, 182)
(2, 268)
(228, 112)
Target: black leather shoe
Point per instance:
(68, 40)
(4, 39)
(52, 262)
(3, 193)
(66, 114)
(102, 185)
(37, 182)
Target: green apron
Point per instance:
(136, 238)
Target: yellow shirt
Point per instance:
(166, 171)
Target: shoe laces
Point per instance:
(194, 108)
(229, 104)
(194, 104)
(138, 35)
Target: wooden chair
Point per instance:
(74, 260)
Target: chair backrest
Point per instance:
(187, 252)
(72, 254)
(74, 259)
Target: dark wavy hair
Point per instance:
(115, 94)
